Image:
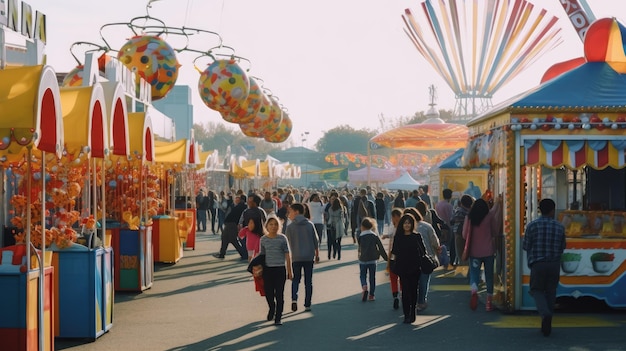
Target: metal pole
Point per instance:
(42, 276)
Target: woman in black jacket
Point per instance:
(406, 253)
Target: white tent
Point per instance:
(405, 182)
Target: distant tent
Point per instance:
(376, 175)
(405, 182)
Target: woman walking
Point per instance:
(336, 223)
(277, 268)
(480, 230)
(406, 254)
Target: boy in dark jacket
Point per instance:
(370, 249)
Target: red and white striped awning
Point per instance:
(574, 154)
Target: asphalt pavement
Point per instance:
(204, 303)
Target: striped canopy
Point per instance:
(574, 154)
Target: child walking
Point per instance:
(370, 249)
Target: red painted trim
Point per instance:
(119, 130)
(48, 123)
(148, 145)
(97, 132)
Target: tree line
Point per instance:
(342, 138)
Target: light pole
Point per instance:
(304, 136)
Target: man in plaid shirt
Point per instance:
(544, 242)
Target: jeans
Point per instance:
(370, 268)
(544, 279)
(381, 226)
(308, 281)
(220, 220)
(474, 271)
(424, 284)
(201, 219)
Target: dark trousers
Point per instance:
(220, 220)
(409, 284)
(201, 219)
(298, 267)
(319, 228)
(333, 243)
(544, 279)
(229, 236)
(274, 284)
(213, 212)
(452, 246)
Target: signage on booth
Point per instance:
(20, 19)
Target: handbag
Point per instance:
(428, 263)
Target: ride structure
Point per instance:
(477, 48)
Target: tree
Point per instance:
(344, 138)
(217, 136)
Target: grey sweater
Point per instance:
(302, 238)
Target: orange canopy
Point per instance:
(433, 134)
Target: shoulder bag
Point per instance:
(428, 263)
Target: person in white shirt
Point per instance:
(316, 209)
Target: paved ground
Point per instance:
(202, 303)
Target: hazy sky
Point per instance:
(330, 62)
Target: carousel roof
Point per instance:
(432, 134)
(592, 86)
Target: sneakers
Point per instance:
(219, 256)
(364, 296)
(489, 303)
(307, 308)
(396, 303)
(421, 306)
(270, 314)
(474, 300)
(371, 298)
(294, 306)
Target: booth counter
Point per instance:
(83, 292)
(19, 317)
(167, 244)
(187, 220)
(134, 262)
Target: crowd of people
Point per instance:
(280, 234)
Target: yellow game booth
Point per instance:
(169, 234)
(84, 273)
(30, 118)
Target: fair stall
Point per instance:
(563, 140)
